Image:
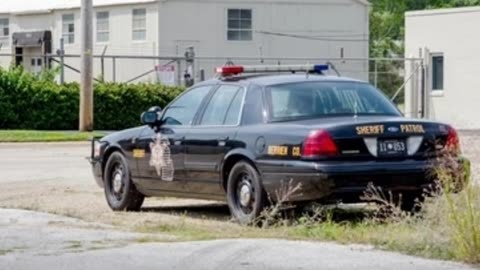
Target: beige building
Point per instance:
(453, 86)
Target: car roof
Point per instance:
(275, 79)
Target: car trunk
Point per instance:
(385, 139)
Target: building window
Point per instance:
(437, 72)
(239, 24)
(68, 28)
(4, 32)
(139, 24)
(103, 27)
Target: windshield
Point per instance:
(324, 99)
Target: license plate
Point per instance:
(392, 148)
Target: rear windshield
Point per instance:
(325, 99)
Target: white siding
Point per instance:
(451, 32)
(120, 43)
(203, 24)
(174, 25)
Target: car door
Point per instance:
(212, 137)
(162, 166)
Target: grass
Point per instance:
(46, 136)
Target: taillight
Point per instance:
(453, 141)
(319, 143)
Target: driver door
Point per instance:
(163, 165)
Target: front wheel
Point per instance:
(245, 195)
(120, 192)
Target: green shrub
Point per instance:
(30, 101)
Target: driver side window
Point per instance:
(183, 110)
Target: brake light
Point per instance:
(319, 143)
(453, 141)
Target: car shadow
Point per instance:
(214, 210)
(220, 212)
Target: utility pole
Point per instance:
(86, 68)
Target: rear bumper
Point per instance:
(344, 181)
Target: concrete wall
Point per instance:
(451, 32)
(203, 24)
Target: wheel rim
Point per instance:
(117, 183)
(245, 194)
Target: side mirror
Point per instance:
(149, 118)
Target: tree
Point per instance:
(387, 30)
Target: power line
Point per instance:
(310, 37)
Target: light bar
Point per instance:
(235, 70)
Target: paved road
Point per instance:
(30, 240)
(46, 161)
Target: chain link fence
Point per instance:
(391, 75)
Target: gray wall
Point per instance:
(203, 24)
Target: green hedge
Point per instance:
(37, 102)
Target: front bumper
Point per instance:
(96, 161)
(97, 170)
(344, 181)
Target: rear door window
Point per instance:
(224, 107)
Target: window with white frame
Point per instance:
(68, 28)
(239, 25)
(4, 31)
(103, 26)
(139, 24)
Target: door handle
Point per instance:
(223, 139)
(178, 140)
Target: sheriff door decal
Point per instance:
(161, 158)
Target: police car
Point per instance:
(248, 133)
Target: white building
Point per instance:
(452, 82)
(223, 29)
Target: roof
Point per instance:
(442, 11)
(41, 6)
(364, 2)
(274, 79)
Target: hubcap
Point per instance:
(117, 181)
(245, 195)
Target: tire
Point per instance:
(120, 192)
(412, 203)
(244, 179)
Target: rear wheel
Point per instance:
(245, 195)
(120, 192)
(411, 203)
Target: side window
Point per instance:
(220, 104)
(233, 114)
(437, 72)
(183, 110)
(253, 112)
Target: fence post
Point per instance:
(426, 83)
(179, 73)
(190, 68)
(375, 74)
(62, 60)
(102, 63)
(114, 69)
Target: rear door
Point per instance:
(213, 137)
